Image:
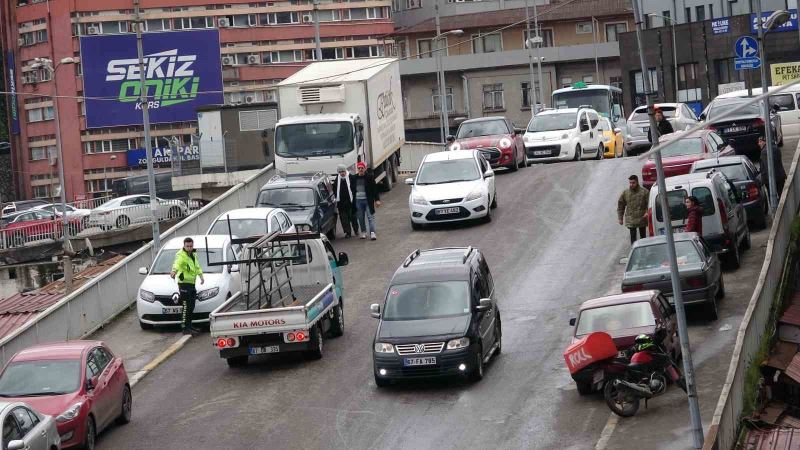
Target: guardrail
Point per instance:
(724, 427)
(413, 153)
(49, 231)
(89, 203)
(93, 304)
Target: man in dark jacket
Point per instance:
(345, 201)
(663, 125)
(780, 173)
(365, 192)
(694, 215)
(632, 208)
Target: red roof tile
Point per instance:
(10, 322)
(781, 355)
(793, 370)
(776, 439)
(792, 314)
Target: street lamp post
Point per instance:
(688, 369)
(529, 44)
(594, 41)
(674, 51)
(47, 64)
(442, 92)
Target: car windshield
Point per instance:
(552, 122)
(46, 377)
(417, 301)
(719, 109)
(482, 128)
(448, 171)
(314, 139)
(243, 228)
(640, 115)
(655, 256)
(597, 98)
(163, 264)
(733, 172)
(677, 209)
(684, 147)
(287, 197)
(615, 317)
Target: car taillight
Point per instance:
(650, 222)
(632, 287)
(723, 213)
(227, 342)
(752, 191)
(758, 123)
(696, 282)
(295, 336)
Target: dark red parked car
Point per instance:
(678, 158)
(496, 138)
(35, 225)
(80, 383)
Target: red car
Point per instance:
(678, 158)
(496, 138)
(80, 383)
(35, 225)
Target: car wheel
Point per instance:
(583, 388)
(237, 361)
(710, 307)
(90, 438)
(477, 372)
(146, 326)
(416, 226)
(127, 406)
(315, 343)
(387, 180)
(577, 156)
(498, 333)
(721, 289)
(337, 322)
(732, 258)
(488, 217)
(494, 202)
(600, 150)
(123, 221)
(524, 162)
(513, 167)
(746, 241)
(382, 382)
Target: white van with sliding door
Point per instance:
(787, 104)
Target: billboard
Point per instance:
(137, 157)
(12, 89)
(784, 73)
(790, 25)
(182, 71)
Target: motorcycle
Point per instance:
(646, 377)
(593, 360)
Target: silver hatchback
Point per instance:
(636, 136)
(24, 428)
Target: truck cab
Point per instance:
(318, 143)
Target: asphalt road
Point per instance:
(554, 242)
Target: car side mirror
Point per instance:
(143, 270)
(488, 174)
(572, 321)
(19, 444)
(409, 181)
(484, 304)
(343, 259)
(89, 385)
(375, 310)
(233, 268)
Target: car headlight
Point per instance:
(303, 227)
(418, 199)
(147, 296)
(70, 413)
(565, 136)
(504, 143)
(526, 138)
(458, 343)
(207, 294)
(474, 195)
(455, 146)
(382, 347)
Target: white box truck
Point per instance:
(341, 112)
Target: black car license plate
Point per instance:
(445, 211)
(426, 361)
(738, 129)
(541, 152)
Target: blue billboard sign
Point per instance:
(182, 71)
(721, 26)
(790, 25)
(137, 157)
(12, 88)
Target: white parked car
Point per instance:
(452, 186)
(564, 134)
(24, 428)
(158, 302)
(131, 209)
(72, 212)
(248, 222)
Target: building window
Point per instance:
(487, 43)
(614, 29)
(583, 28)
(493, 97)
(103, 185)
(437, 101)
(700, 13)
(413, 4)
(424, 48)
(41, 191)
(566, 82)
(32, 37)
(688, 13)
(402, 48)
(526, 94)
(546, 35)
(726, 72)
(156, 25)
(666, 16)
(40, 114)
(638, 83)
(615, 81)
(710, 11)
(588, 79)
(279, 18)
(191, 23)
(687, 76)
(40, 153)
(36, 76)
(111, 145)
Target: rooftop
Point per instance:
(338, 71)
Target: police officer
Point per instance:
(187, 269)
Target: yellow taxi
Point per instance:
(612, 139)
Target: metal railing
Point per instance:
(414, 152)
(91, 203)
(38, 233)
(93, 304)
(724, 427)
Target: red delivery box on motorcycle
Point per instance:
(591, 348)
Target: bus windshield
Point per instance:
(598, 98)
(314, 139)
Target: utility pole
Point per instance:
(594, 41)
(688, 369)
(316, 31)
(529, 44)
(148, 148)
(538, 52)
(442, 84)
(773, 195)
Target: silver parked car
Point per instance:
(131, 209)
(636, 136)
(24, 428)
(699, 268)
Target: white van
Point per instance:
(788, 106)
(724, 218)
(564, 134)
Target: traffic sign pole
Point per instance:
(773, 195)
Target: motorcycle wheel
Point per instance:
(620, 403)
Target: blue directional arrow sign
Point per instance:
(746, 49)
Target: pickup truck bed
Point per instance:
(302, 295)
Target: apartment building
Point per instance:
(486, 67)
(261, 44)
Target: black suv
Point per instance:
(309, 200)
(439, 317)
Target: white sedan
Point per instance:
(131, 209)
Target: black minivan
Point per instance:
(439, 318)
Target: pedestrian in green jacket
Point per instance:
(186, 268)
(632, 207)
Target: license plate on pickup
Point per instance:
(427, 361)
(443, 211)
(172, 310)
(738, 129)
(264, 350)
(646, 130)
(541, 152)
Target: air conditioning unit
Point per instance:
(20, 42)
(92, 30)
(223, 22)
(320, 94)
(227, 60)
(250, 99)
(308, 18)
(253, 59)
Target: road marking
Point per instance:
(158, 360)
(605, 436)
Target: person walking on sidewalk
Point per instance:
(345, 202)
(365, 192)
(694, 215)
(186, 269)
(780, 172)
(632, 207)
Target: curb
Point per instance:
(158, 360)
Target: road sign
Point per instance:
(746, 47)
(746, 63)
